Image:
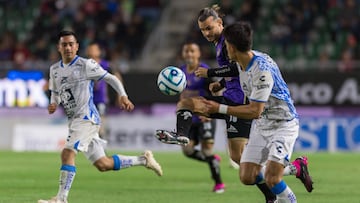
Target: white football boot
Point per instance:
(152, 164)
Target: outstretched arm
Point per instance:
(115, 83)
(249, 111)
(230, 70)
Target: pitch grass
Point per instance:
(26, 177)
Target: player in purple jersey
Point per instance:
(100, 98)
(202, 129)
(238, 130)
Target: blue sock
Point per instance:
(259, 178)
(117, 162)
(279, 188)
(284, 193)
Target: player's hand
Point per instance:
(201, 72)
(125, 103)
(52, 108)
(211, 107)
(214, 87)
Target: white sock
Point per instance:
(290, 170)
(122, 162)
(67, 175)
(283, 193)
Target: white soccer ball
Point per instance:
(171, 81)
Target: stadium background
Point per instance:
(315, 43)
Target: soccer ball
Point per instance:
(171, 81)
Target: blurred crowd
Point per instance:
(323, 31)
(292, 31)
(119, 26)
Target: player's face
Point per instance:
(68, 48)
(230, 50)
(211, 28)
(93, 51)
(191, 53)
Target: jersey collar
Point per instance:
(72, 62)
(251, 62)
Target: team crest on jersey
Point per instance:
(76, 73)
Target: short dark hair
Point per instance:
(67, 33)
(213, 11)
(239, 34)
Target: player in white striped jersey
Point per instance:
(71, 84)
(275, 126)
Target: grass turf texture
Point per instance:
(27, 177)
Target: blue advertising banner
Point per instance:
(329, 134)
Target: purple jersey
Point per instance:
(197, 86)
(233, 90)
(100, 87)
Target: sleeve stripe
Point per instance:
(256, 100)
(103, 76)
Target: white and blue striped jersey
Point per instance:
(73, 84)
(263, 82)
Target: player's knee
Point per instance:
(188, 151)
(272, 180)
(248, 173)
(247, 179)
(184, 103)
(207, 152)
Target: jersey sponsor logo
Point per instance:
(63, 80)
(263, 86)
(68, 102)
(244, 87)
(262, 78)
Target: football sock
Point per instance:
(290, 170)
(260, 183)
(122, 162)
(284, 193)
(214, 169)
(183, 122)
(67, 175)
(197, 155)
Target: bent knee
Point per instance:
(272, 180)
(185, 103)
(247, 179)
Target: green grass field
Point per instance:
(26, 177)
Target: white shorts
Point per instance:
(273, 142)
(84, 137)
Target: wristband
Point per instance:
(223, 108)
